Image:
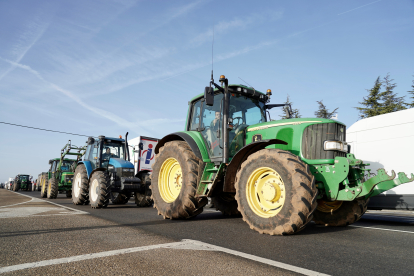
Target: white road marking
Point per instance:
(383, 229)
(34, 199)
(184, 244)
(17, 203)
(25, 211)
(255, 258)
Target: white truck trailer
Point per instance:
(141, 152)
(386, 141)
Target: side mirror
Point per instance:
(209, 96)
(91, 140)
(141, 146)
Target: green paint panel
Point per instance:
(198, 138)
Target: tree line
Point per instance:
(381, 99)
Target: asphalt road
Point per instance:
(38, 233)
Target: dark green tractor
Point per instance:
(279, 175)
(60, 175)
(23, 182)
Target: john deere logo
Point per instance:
(257, 137)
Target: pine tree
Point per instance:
(390, 101)
(371, 103)
(295, 112)
(323, 112)
(411, 105)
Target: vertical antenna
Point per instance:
(212, 54)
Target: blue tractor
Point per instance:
(106, 173)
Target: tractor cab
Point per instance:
(107, 174)
(222, 118)
(106, 153)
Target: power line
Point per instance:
(45, 129)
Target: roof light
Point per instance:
(222, 78)
(269, 92)
(120, 136)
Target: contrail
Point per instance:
(360, 7)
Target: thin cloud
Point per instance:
(236, 24)
(103, 113)
(360, 7)
(33, 33)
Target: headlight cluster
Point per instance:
(128, 170)
(335, 145)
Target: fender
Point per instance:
(89, 169)
(240, 157)
(193, 138)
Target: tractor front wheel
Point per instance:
(144, 200)
(43, 191)
(339, 213)
(80, 188)
(119, 198)
(275, 192)
(52, 188)
(98, 190)
(225, 203)
(175, 176)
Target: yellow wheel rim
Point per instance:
(170, 180)
(49, 188)
(265, 192)
(328, 206)
(43, 186)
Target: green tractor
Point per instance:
(279, 175)
(60, 175)
(23, 182)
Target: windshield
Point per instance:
(112, 150)
(24, 177)
(65, 167)
(243, 110)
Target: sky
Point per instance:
(108, 67)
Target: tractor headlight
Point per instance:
(128, 170)
(335, 145)
(111, 168)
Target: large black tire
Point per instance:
(29, 187)
(16, 187)
(185, 204)
(120, 198)
(144, 200)
(43, 191)
(98, 190)
(287, 180)
(347, 213)
(68, 194)
(80, 186)
(225, 203)
(52, 188)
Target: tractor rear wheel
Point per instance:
(98, 190)
(16, 187)
(339, 213)
(52, 188)
(119, 198)
(225, 203)
(80, 186)
(275, 192)
(43, 191)
(144, 200)
(175, 176)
